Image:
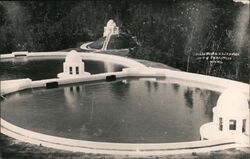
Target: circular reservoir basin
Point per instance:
(37, 68)
(122, 111)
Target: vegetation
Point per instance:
(167, 31)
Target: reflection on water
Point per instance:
(44, 68)
(109, 67)
(120, 89)
(121, 111)
(156, 86)
(176, 87)
(208, 101)
(188, 95)
(72, 93)
(148, 85)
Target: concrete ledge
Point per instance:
(14, 85)
(6, 56)
(114, 148)
(20, 53)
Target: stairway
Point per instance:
(106, 42)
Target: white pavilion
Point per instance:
(111, 28)
(230, 118)
(73, 66)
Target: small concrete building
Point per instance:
(73, 66)
(111, 28)
(113, 39)
(230, 118)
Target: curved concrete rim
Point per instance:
(143, 149)
(84, 46)
(88, 56)
(125, 148)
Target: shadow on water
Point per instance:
(152, 85)
(94, 67)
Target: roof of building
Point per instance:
(111, 23)
(232, 102)
(73, 57)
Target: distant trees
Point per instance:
(180, 29)
(171, 31)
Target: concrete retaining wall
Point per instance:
(136, 70)
(113, 148)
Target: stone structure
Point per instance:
(230, 118)
(73, 66)
(113, 40)
(111, 28)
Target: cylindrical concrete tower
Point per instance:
(230, 118)
(73, 66)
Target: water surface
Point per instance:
(122, 111)
(38, 68)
